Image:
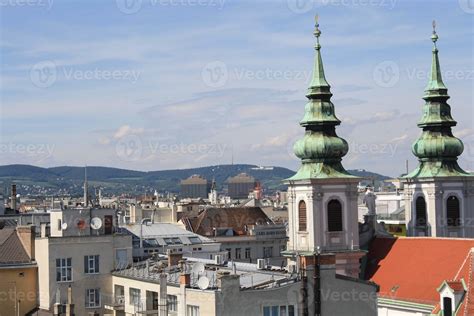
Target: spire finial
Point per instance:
(317, 31)
(434, 37)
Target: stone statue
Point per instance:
(369, 201)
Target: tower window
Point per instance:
(420, 211)
(334, 216)
(453, 214)
(302, 216)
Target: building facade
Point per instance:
(240, 186)
(195, 187)
(79, 256)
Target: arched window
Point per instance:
(420, 211)
(302, 216)
(334, 216)
(453, 213)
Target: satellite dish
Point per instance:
(198, 268)
(96, 223)
(64, 226)
(81, 224)
(203, 283)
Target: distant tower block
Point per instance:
(439, 194)
(322, 195)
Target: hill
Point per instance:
(34, 180)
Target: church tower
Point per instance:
(439, 194)
(322, 195)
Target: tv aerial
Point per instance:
(96, 223)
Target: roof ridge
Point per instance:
(469, 284)
(456, 277)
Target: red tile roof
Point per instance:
(412, 269)
(456, 286)
(231, 217)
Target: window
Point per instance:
(238, 253)
(91, 264)
(195, 240)
(452, 207)
(64, 270)
(282, 310)
(302, 216)
(447, 306)
(92, 298)
(172, 303)
(121, 261)
(334, 216)
(172, 241)
(247, 253)
(135, 297)
(60, 226)
(267, 252)
(229, 253)
(192, 310)
(420, 211)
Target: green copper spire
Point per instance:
(437, 149)
(320, 150)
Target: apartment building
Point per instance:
(78, 255)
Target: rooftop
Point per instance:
(250, 276)
(412, 269)
(11, 248)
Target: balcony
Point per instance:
(116, 303)
(336, 240)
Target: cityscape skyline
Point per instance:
(184, 101)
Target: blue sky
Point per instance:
(159, 84)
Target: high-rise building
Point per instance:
(439, 194)
(195, 186)
(322, 195)
(240, 186)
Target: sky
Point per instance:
(171, 84)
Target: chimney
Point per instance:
(69, 305)
(27, 237)
(174, 258)
(227, 281)
(13, 197)
(43, 230)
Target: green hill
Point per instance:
(34, 180)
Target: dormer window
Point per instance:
(447, 306)
(451, 295)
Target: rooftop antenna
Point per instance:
(86, 198)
